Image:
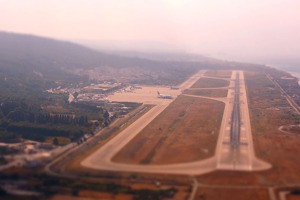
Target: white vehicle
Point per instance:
(164, 96)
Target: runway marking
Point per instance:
(243, 147)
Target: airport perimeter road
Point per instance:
(192, 80)
(235, 146)
(283, 92)
(101, 159)
(239, 158)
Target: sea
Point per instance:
(296, 74)
(293, 70)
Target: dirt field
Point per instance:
(227, 193)
(219, 73)
(208, 92)
(292, 129)
(86, 194)
(280, 149)
(210, 83)
(293, 197)
(72, 166)
(186, 131)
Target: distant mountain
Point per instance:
(30, 64)
(129, 45)
(173, 57)
(161, 56)
(161, 52)
(38, 53)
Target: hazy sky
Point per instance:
(251, 28)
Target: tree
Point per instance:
(105, 124)
(106, 115)
(2, 192)
(75, 95)
(55, 141)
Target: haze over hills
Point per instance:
(38, 52)
(161, 54)
(32, 63)
(41, 52)
(132, 45)
(42, 61)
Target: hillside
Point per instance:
(32, 52)
(37, 53)
(31, 64)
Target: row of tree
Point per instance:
(24, 119)
(20, 111)
(61, 119)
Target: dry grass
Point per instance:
(279, 149)
(293, 197)
(208, 92)
(72, 166)
(86, 194)
(186, 131)
(210, 83)
(231, 193)
(292, 129)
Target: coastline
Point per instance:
(295, 74)
(287, 69)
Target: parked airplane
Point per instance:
(174, 88)
(164, 96)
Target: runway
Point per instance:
(242, 158)
(236, 152)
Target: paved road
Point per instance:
(225, 158)
(283, 92)
(235, 121)
(101, 159)
(237, 153)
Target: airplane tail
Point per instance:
(158, 93)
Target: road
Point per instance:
(241, 157)
(235, 125)
(101, 159)
(283, 92)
